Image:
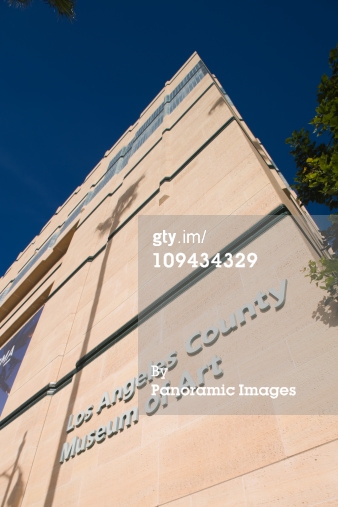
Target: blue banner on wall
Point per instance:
(11, 356)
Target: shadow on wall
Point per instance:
(15, 485)
(327, 312)
(219, 103)
(124, 202)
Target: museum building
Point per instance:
(182, 250)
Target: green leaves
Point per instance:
(63, 7)
(325, 274)
(317, 176)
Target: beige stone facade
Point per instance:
(189, 154)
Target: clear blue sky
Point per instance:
(70, 90)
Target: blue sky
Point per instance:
(70, 90)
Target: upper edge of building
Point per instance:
(61, 219)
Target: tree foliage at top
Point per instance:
(317, 176)
(317, 162)
(63, 7)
